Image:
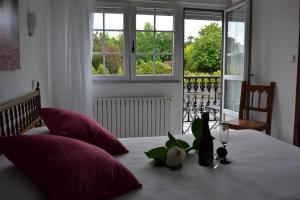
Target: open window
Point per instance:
(235, 55)
(202, 65)
(205, 87)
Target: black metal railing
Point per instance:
(200, 92)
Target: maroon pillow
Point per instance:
(78, 126)
(67, 168)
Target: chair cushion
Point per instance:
(67, 168)
(76, 125)
(246, 124)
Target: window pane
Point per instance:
(144, 22)
(144, 41)
(98, 21)
(164, 42)
(97, 64)
(232, 95)
(114, 41)
(108, 43)
(144, 64)
(163, 65)
(97, 41)
(164, 23)
(114, 21)
(114, 64)
(235, 42)
(154, 49)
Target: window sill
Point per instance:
(139, 80)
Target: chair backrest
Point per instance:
(252, 98)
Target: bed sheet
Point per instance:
(262, 168)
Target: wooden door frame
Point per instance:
(297, 108)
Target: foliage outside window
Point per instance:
(203, 42)
(154, 42)
(108, 42)
(203, 53)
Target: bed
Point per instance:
(262, 168)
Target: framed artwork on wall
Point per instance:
(9, 35)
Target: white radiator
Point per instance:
(133, 116)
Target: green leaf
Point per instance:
(171, 137)
(183, 144)
(197, 125)
(170, 144)
(176, 142)
(179, 143)
(196, 143)
(189, 149)
(172, 141)
(159, 153)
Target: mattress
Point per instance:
(262, 168)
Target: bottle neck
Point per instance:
(205, 118)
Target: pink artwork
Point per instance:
(9, 35)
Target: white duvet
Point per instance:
(262, 168)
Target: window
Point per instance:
(135, 42)
(108, 42)
(154, 42)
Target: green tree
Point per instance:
(147, 68)
(204, 54)
(97, 60)
(164, 44)
(144, 39)
(162, 68)
(97, 41)
(190, 40)
(163, 41)
(189, 64)
(113, 63)
(144, 67)
(145, 44)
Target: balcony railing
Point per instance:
(200, 92)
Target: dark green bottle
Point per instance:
(206, 145)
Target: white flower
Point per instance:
(175, 156)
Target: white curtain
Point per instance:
(70, 55)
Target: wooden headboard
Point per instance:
(20, 114)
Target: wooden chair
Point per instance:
(247, 104)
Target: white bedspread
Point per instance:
(262, 168)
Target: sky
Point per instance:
(164, 23)
(192, 27)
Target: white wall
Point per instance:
(275, 30)
(33, 56)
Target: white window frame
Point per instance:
(130, 36)
(177, 48)
(100, 5)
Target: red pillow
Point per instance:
(78, 126)
(67, 168)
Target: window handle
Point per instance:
(133, 47)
